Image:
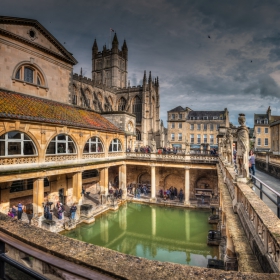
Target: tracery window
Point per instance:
(93, 145)
(61, 144)
(138, 135)
(16, 143)
(115, 146)
(121, 104)
(137, 109)
(30, 74)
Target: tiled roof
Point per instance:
(177, 109)
(25, 107)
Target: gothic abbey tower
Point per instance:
(108, 93)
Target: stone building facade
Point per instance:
(195, 127)
(264, 139)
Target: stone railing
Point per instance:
(268, 163)
(18, 160)
(201, 158)
(95, 155)
(55, 158)
(261, 225)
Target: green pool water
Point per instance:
(152, 232)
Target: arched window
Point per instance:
(137, 109)
(93, 145)
(28, 73)
(16, 143)
(75, 96)
(61, 144)
(115, 146)
(121, 104)
(138, 134)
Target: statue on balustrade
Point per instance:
(187, 144)
(242, 155)
(153, 145)
(229, 142)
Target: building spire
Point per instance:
(95, 47)
(81, 72)
(144, 78)
(115, 41)
(150, 77)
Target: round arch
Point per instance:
(174, 180)
(60, 144)
(92, 145)
(19, 142)
(144, 178)
(32, 65)
(116, 145)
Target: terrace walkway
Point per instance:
(272, 182)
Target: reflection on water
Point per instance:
(152, 232)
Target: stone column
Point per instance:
(122, 180)
(187, 226)
(38, 196)
(153, 182)
(77, 187)
(187, 186)
(103, 180)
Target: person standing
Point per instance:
(252, 164)
(73, 210)
(14, 210)
(20, 209)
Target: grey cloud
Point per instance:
(274, 55)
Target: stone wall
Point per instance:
(111, 262)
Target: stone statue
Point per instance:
(229, 146)
(242, 154)
(187, 144)
(153, 145)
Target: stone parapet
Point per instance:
(261, 225)
(111, 262)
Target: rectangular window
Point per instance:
(28, 75)
(205, 118)
(191, 126)
(180, 116)
(179, 136)
(192, 138)
(205, 126)
(259, 130)
(217, 127)
(198, 139)
(211, 127)
(259, 141)
(266, 130)
(172, 125)
(211, 139)
(173, 116)
(205, 138)
(266, 141)
(172, 136)
(179, 125)
(198, 126)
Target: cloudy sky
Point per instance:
(238, 67)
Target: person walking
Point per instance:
(20, 210)
(252, 164)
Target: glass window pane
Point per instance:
(99, 148)
(119, 147)
(28, 148)
(86, 148)
(51, 148)
(93, 148)
(28, 75)
(61, 137)
(71, 148)
(26, 137)
(14, 135)
(61, 148)
(14, 148)
(2, 148)
(111, 147)
(18, 74)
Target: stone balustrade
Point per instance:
(261, 225)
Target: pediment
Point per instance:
(33, 33)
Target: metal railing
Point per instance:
(270, 194)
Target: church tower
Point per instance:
(109, 67)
